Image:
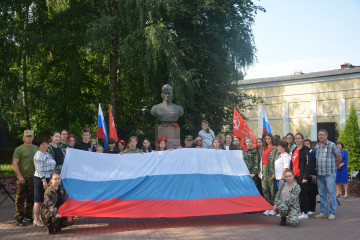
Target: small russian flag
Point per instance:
(101, 128)
(266, 124)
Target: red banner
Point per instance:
(241, 129)
(112, 128)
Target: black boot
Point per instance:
(283, 221)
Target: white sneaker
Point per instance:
(303, 216)
(278, 215)
(272, 213)
(310, 213)
(266, 212)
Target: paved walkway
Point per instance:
(236, 226)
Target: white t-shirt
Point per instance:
(282, 162)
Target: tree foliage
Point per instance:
(78, 51)
(350, 137)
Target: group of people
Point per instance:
(291, 172)
(39, 194)
(288, 172)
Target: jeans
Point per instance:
(326, 184)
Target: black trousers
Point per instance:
(304, 195)
(313, 191)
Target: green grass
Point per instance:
(6, 170)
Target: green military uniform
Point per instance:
(128, 150)
(53, 199)
(251, 158)
(290, 206)
(268, 184)
(24, 200)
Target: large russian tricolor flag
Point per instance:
(178, 183)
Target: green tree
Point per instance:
(350, 137)
(83, 52)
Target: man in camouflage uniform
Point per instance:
(23, 165)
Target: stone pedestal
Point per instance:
(170, 132)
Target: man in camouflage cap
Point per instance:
(23, 165)
(188, 141)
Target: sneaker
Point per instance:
(303, 215)
(321, 215)
(20, 222)
(278, 215)
(331, 217)
(266, 212)
(38, 223)
(310, 213)
(272, 213)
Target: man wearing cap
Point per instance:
(188, 141)
(23, 165)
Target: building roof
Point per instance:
(302, 76)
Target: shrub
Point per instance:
(349, 136)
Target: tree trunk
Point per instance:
(24, 70)
(113, 68)
(113, 63)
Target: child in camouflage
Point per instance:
(287, 200)
(54, 197)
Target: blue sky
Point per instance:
(305, 35)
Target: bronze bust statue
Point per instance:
(167, 112)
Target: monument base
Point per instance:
(171, 133)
